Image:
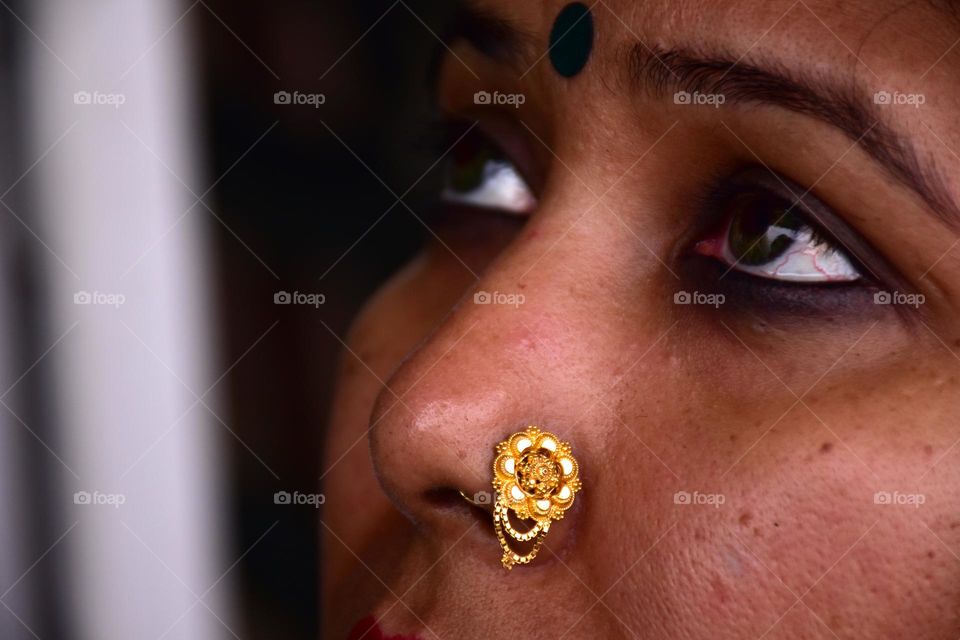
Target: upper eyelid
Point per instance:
(822, 217)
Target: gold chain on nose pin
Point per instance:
(536, 476)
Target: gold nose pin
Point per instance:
(536, 477)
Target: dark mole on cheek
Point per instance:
(745, 518)
(826, 448)
(571, 39)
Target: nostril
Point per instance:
(479, 506)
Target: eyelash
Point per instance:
(769, 236)
(479, 175)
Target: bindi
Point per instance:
(571, 39)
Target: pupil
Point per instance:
(762, 229)
(468, 164)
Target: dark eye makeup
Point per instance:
(764, 241)
(756, 237)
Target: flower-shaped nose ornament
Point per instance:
(536, 476)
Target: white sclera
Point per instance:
(501, 188)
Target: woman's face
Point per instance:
(721, 261)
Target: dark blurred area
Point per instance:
(303, 209)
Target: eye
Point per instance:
(765, 235)
(479, 174)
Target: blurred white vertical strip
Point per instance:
(128, 259)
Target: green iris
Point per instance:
(467, 170)
(762, 229)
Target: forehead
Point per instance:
(875, 37)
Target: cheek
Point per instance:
(805, 550)
(726, 527)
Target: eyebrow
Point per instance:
(846, 107)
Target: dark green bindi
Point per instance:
(571, 39)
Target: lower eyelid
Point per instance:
(743, 292)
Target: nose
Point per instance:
(436, 423)
(527, 345)
(492, 369)
(514, 352)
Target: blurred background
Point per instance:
(195, 200)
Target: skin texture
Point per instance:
(793, 414)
